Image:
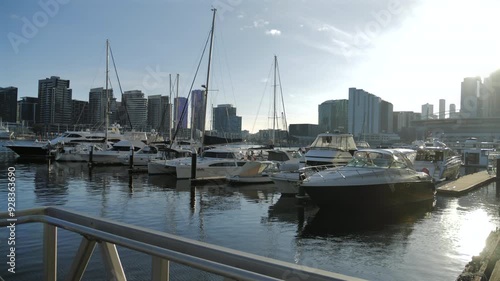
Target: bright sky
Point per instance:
(408, 52)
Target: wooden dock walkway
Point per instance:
(465, 183)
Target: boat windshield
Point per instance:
(429, 155)
(340, 142)
(373, 159)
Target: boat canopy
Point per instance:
(344, 142)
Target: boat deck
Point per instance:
(464, 183)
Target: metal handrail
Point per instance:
(163, 247)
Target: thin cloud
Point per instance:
(260, 23)
(273, 32)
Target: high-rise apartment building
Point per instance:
(197, 110)
(470, 90)
(27, 109)
(427, 111)
(55, 102)
(332, 115)
(225, 119)
(180, 112)
(80, 114)
(136, 106)
(8, 104)
(159, 113)
(98, 101)
(364, 113)
(442, 109)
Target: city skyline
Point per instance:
(393, 49)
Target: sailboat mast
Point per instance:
(274, 101)
(208, 79)
(106, 115)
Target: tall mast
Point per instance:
(107, 95)
(208, 79)
(274, 101)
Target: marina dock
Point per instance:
(465, 183)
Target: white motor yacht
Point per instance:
(373, 179)
(438, 160)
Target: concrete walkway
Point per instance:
(465, 183)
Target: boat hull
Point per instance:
(160, 168)
(35, 151)
(363, 197)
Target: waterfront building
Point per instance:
(197, 110)
(55, 102)
(27, 109)
(303, 134)
(136, 106)
(459, 129)
(8, 104)
(332, 115)
(80, 114)
(180, 112)
(368, 114)
(453, 111)
(470, 89)
(427, 111)
(386, 115)
(403, 119)
(225, 120)
(490, 95)
(98, 101)
(159, 113)
(442, 109)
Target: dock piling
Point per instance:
(193, 166)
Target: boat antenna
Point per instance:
(107, 96)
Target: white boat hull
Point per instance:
(287, 183)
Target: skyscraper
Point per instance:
(136, 106)
(332, 115)
(453, 111)
(469, 94)
(55, 101)
(97, 106)
(363, 113)
(197, 109)
(80, 114)
(159, 113)
(225, 119)
(180, 112)
(427, 111)
(28, 110)
(442, 108)
(8, 104)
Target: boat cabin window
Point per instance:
(213, 154)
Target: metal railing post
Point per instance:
(160, 269)
(81, 259)
(112, 261)
(49, 252)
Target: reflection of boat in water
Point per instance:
(374, 178)
(292, 210)
(327, 223)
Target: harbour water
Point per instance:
(431, 242)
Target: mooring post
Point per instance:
(498, 172)
(91, 155)
(131, 159)
(193, 166)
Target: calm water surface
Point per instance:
(427, 243)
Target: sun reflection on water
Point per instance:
(475, 227)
